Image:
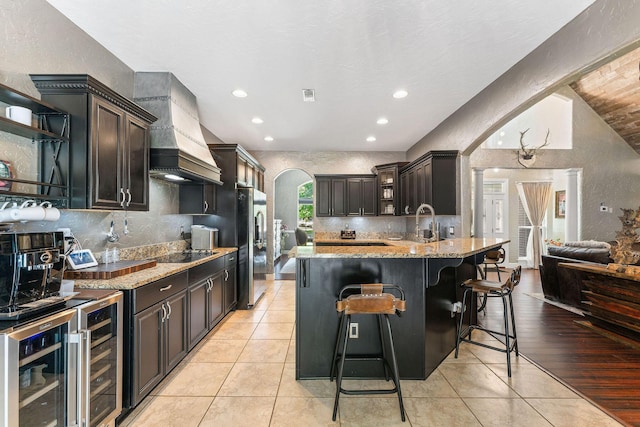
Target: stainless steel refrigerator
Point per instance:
(251, 223)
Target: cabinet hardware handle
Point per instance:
(206, 206)
(169, 307)
(166, 288)
(226, 275)
(123, 197)
(303, 267)
(164, 313)
(129, 197)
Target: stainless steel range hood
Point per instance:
(179, 152)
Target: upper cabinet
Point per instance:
(34, 171)
(430, 179)
(109, 153)
(389, 188)
(345, 195)
(198, 199)
(238, 166)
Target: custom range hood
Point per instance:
(179, 152)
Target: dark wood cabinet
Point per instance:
(388, 180)
(361, 196)
(331, 196)
(430, 179)
(216, 299)
(206, 298)
(197, 199)
(345, 195)
(159, 333)
(230, 283)
(109, 149)
(238, 166)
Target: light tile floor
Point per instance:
(242, 374)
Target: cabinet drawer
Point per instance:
(202, 271)
(231, 260)
(154, 292)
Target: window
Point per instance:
(305, 205)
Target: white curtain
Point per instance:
(535, 197)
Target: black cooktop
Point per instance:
(182, 257)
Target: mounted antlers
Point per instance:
(526, 157)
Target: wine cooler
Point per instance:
(63, 368)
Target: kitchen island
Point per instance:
(430, 275)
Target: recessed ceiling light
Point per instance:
(371, 139)
(257, 120)
(239, 93)
(499, 142)
(502, 133)
(173, 177)
(382, 121)
(496, 169)
(268, 138)
(400, 94)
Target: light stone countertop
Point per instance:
(449, 248)
(143, 277)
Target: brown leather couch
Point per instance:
(563, 284)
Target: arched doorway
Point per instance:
(292, 208)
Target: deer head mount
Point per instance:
(527, 156)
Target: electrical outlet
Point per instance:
(353, 330)
(604, 209)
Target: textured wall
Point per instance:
(36, 38)
(610, 169)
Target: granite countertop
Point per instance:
(449, 248)
(143, 277)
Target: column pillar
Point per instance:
(572, 215)
(478, 208)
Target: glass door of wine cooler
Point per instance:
(38, 374)
(102, 395)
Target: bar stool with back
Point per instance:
(368, 299)
(488, 288)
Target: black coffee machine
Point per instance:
(31, 270)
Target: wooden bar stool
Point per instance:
(487, 288)
(368, 299)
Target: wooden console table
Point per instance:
(612, 297)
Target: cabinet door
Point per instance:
(209, 199)
(420, 186)
(107, 155)
(354, 196)
(338, 197)
(323, 197)
(242, 171)
(198, 325)
(216, 301)
(428, 189)
(148, 357)
(230, 288)
(404, 189)
(136, 168)
(369, 198)
(176, 342)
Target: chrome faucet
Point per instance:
(434, 229)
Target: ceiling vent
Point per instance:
(308, 95)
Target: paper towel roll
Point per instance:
(51, 214)
(35, 213)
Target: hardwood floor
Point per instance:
(604, 371)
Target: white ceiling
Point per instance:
(354, 53)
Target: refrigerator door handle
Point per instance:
(86, 380)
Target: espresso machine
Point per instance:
(31, 270)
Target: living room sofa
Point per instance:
(562, 284)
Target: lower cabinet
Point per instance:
(230, 283)
(206, 298)
(167, 318)
(159, 332)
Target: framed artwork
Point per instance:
(561, 203)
